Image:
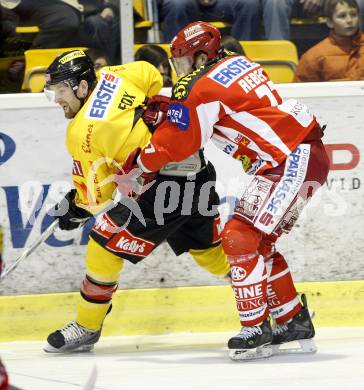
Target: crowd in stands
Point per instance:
(244, 16)
(65, 23)
(158, 57)
(96, 24)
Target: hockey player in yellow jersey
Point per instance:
(102, 127)
(106, 126)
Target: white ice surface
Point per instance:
(188, 361)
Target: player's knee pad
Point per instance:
(240, 239)
(97, 292)
(212, 259)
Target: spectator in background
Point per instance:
(231, 44)
(66, 23)
(340, 56)
(58, 20)
(158, 57)
(7, 24)
(99, 58)
(101, 27)
(277, 15)
(243, 14)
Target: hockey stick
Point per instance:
(48, 232)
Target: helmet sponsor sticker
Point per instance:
(179, 115)
(71, 56)
(192, 32)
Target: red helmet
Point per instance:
(195, 37)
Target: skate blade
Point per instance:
(251, 354)
(84, 348)
(305, 346)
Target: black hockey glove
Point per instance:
(68, 214)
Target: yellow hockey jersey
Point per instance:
(107, 128)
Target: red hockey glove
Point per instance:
(131, 180)
(156, 111)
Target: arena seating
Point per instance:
(279, 58)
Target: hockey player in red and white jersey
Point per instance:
(230, 99)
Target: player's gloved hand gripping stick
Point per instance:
(68, 214)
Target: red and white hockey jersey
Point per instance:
(233, 102)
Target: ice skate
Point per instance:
(296, 335)
(72, 338)
(252, 342)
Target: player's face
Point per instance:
(182, 65)
(65, 97)
(345, 20)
